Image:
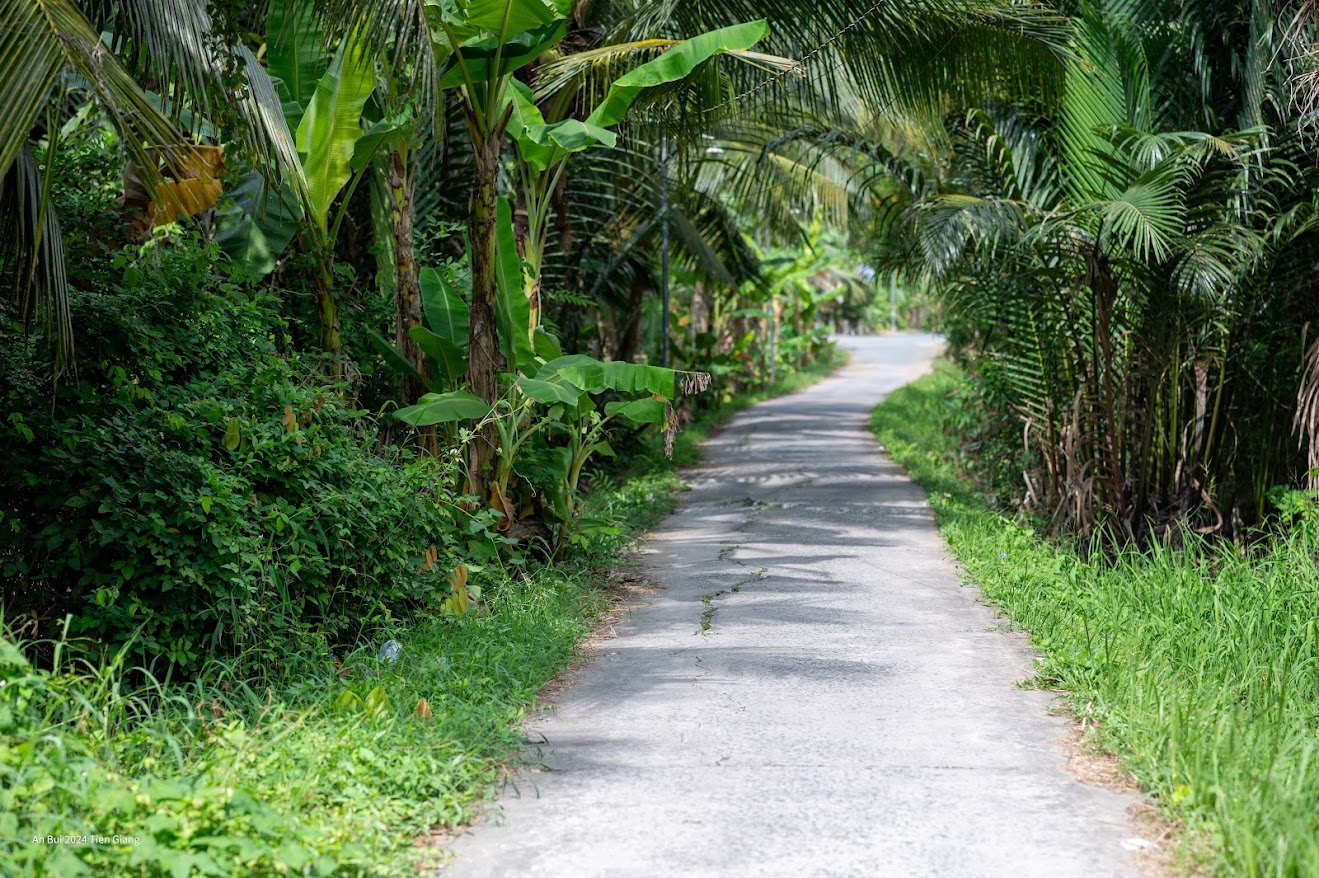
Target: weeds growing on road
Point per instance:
(1199, 664)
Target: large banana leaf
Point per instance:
(295, 53)
(647, 410)
(332, 124)
(594, 376)
(445, 408)
(524, 115)
(546, 345)
(254, 225)
(570, 135)
(549, 392)
(675, 64)
(508, 16)
(479, 57)
(445, 310)
(382, 136)
(512, 308)
(450, 359)
(398, 362)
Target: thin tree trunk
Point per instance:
(1104, 288)
(407, 286)
(407, 290)
(629, 341)
(327, 310)
(484, 360)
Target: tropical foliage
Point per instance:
(1127, 277)
(330, 321)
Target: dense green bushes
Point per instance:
(1199, 664)
(193, 489)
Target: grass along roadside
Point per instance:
(333, 772)
(335, 769)
(1198, 666)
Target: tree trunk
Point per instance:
(1104, 287)
(407, 290)
(484, 360)
(532, 250)
(407, 286)
(630, 335)
(327, 310)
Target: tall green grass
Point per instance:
(1200, 664)
(328, 773)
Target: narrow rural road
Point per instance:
(847, 707)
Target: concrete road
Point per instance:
(850, 707)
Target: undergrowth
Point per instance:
(333, 771)
(327, 765)
(1198, 664)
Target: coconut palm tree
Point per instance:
(781, 143)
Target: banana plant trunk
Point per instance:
(531, 247)
(407, 288)
(484, 360)
(327, 309)
(407, 282)
(327, 312)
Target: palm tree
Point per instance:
(1109, 272)
(52, 51)
(812, 141)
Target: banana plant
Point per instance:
(551, 414)
(443, 336)
(543, 149)
(480, 44)
(325, 101)
(545, 404)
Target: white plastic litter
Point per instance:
(390, 650)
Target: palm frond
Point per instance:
(1144, 220)
(171, 43)
(32, 253)
(43, 40)
(910, 52)
(589, 72)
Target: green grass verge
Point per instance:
(332, 773)
(1199, 664)
(337, 770)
